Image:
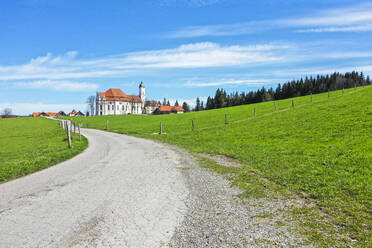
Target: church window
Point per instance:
(118, 107)
(108, 107)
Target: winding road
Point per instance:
(120, 192)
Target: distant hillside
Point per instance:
(302, 87)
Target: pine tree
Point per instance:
(164, 101)
(186, 107)
(168, 103)
(176, 103)
(197, 107)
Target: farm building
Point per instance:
(169, 110)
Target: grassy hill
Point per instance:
(320, 149)
(30, 144)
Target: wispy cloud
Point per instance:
(228, 82)
(191, 3)
(195, 55)
(59, 85)
(350, 19)
(306, 71)
(354, 28)
(26, 108)
(191, 102)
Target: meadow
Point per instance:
(30, 144)
(319, 149)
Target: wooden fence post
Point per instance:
(226, 120)
(276, 106)
(68, 137)
(193, 125)
(293, 103)
(107, 125)
(255, 112)
(161, 128)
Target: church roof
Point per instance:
(118, 95)
(152, 103)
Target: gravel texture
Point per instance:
(128, 192)
(120, 192)
(216, 217)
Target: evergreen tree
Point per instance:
(176, 104)
(197, 107)
(164, 101)
(168, 103)
(301, 87)
(186, 107)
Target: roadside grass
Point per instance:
(30, 144)
(320, 150)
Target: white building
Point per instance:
(116, 102)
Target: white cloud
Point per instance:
(28, 108)
(356, 28)
(59, 85)
(350, 19)
(303, 72)
(228, 82)
(195, 55)
(191, 102)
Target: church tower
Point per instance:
(142, 92)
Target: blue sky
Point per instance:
(55, 53)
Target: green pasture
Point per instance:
(33, 143)
(320, 149)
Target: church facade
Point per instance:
(116, 102)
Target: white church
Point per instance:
(116, 102)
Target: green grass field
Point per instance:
(320, 149)
(31, 144)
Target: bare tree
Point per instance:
(7, 111)
(91, 101)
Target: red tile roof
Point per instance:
(73, 112)
(118, 95)
(170, 108)
(36, 114)
(51, 114)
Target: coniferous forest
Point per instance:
(294, 88)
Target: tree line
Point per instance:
(294, 88)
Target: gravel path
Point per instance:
(129, 192)
(121, 192)
(216, 217)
